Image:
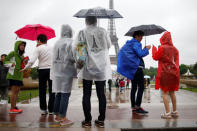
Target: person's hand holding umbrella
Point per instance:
(148, 47)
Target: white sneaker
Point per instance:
(5, 101)
(50, 113)
(44, 112)
(2, 102)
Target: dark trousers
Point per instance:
(87, 91)
(137, 83)
(4, 92)
(44, 75)
(109, 87)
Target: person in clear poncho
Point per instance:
(168, 75)
(62, 73)
(97, 68)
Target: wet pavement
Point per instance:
(119, 115)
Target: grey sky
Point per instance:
(177, 16)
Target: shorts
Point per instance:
(15, 82)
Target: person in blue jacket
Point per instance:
(130, 64)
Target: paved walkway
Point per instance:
(118, 115)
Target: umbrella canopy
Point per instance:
(30, 32)
(147, 29)
(99, 12)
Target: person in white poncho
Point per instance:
(63, 70)
(97, 68)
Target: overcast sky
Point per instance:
(177, 16)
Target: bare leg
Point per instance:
(173, 98)
(14, 95)
(17, 92)
(166, 102)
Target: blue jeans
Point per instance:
(61, 104)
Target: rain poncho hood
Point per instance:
(63, 67)
(16, 46)
(97, 66)
(166, 39)
(14, 57)
(129, 58)
(168, 70)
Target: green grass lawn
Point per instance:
(190, 89)
(27, 94)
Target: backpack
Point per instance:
(80, 51)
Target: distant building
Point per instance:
(112, 30)
(188, 74)
(113, 59)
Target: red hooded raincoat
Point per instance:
(168, 75)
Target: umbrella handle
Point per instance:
(145, 40)
(16, 37)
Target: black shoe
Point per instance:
(86, 124)
(99, 123)
(141, 111)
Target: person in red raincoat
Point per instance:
(168, 75)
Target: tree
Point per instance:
(34, 73)
(183, 69)
(194, 69)
(150, 72)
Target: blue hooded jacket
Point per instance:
(129, 58)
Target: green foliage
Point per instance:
(26, 95)
(191, 89)
(34, 73)
(194, 69)
(183, 68)
(150, 72)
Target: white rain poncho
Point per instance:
(97, 66)
(63, 65)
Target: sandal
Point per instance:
(174, 114)
(166, 115)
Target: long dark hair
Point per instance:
(19, 51)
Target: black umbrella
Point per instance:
(98, 12)
(147, 29)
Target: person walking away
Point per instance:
(97, 68)
(127, 85)
(131, 65)
(14, 76)
(110, 84)
(168, 75)
(63, 70)
(117, 82)
(43, 53)
(3, 81)
(122, 85)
